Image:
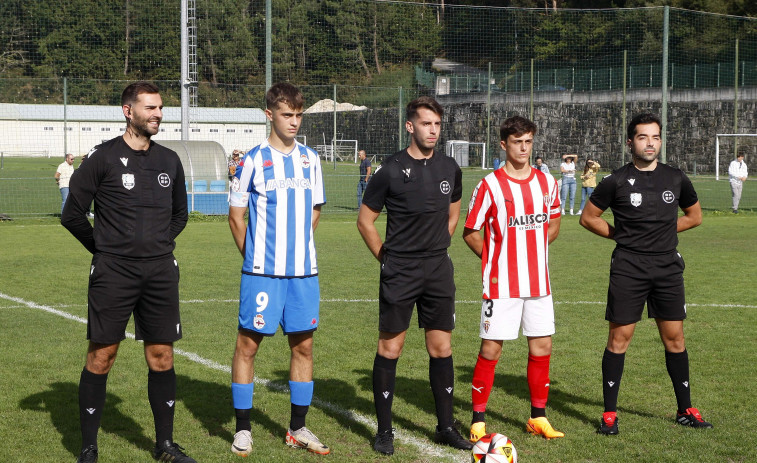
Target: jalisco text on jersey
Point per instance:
(529, 219)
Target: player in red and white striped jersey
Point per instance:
(518, 208)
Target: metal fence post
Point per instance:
(664, 84)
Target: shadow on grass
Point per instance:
(210, 403)
(416, 392)
(560, 401)
(336, 399)
(61, 401)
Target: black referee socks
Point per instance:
(678, 369)
(91, 403)
(441, 375)
(161, 391)
(384, 374)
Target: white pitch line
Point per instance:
(375, 301)
(424, 446)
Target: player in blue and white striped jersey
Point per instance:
(281, 190)
(280, 182)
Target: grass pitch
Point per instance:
(43, 284)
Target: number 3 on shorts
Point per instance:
(489, 305)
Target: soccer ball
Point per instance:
(494, 448)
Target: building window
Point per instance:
(123, 129)
(247, 130)
(195, 130)
(47, 129)
(105, 129)
(213, 130)
(177, 130)
(162, 130)
(230, 130)
(86, 129)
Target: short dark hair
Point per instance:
(284, 92)
(643, 118)
(133, 90)
(516, 125)
(423, 102)
(538, 158)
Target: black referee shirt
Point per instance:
(645, 206)
(417, 194)
(140, 200)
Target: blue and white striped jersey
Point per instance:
(280, 191)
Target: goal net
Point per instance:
(728, 145)
(468, 154)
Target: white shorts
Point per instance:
(500, 318)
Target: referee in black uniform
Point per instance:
(421, 191)
(140, 208)
(644, 196)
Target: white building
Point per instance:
(44, 130)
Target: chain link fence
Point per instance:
(579, 74)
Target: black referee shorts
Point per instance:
(149, 288)
(656, 280)
(426, 282)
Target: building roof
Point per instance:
(97, 113)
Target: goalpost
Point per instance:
(735, 137)
(467, 153)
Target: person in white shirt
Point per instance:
(63, 176)
(568, 169)
(737, 172)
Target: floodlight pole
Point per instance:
(268, 56)
(184, 71)
(736, 99)
(488, 109)
(664, 109)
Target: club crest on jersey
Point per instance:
(636, 199)
(487, 324)
(259, 322)
(445, 187)
(305, 160)
(128, 181)
(547, 202)
(668, 196)
(234, 184)
(164, 180)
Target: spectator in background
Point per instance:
(568, 169)
(365, 175)
(234, 162)
(540, 165)
(63, 176)
(588, 181)
(737, 173)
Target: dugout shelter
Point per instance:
(205, 172)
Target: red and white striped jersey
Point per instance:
(515, 215)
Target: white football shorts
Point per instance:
(501, 318)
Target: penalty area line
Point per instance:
(424, 446)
